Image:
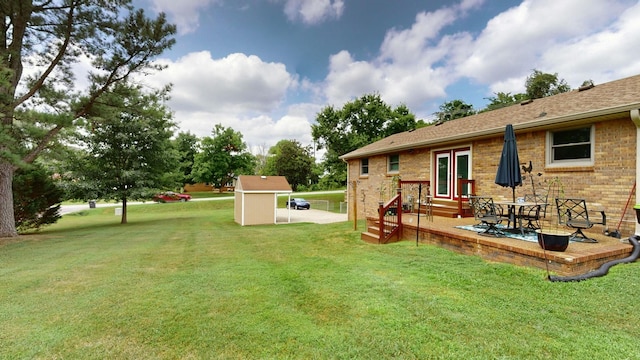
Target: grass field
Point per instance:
(183, 281)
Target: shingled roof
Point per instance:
(601, 101)
(254, 183)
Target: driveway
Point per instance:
(311, 215)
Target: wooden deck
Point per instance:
(579, 258)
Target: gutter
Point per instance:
(635, 116)
(537, 123)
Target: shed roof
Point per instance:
(603, 101)
(257, 183)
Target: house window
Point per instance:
(394, 163)
(364, 166)
(572, 147)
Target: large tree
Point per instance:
(537, 85)
(187, 146)
(358, 123)
(502, 99)
(454, 109)
(128, 146)
(540, 85)
(290, 159)
(222, 158)
(49, 36)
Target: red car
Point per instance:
(170, 196)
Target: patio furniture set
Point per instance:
(528, 213)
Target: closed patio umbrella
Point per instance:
(508, 174)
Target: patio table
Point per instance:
(515, 215)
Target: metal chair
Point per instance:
(485, 211)
(540, 200)
(575, 214)
(532, 214)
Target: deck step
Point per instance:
(449, 209)
(374, 230)
(370, 237)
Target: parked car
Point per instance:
(170, 196)
(298, 203)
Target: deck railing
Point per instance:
(470, 186)
(390, 218)
(416, 196)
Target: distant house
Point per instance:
(587, 137)
(229, 187)
(256, 198)
(197, 187)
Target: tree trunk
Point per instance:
(7, 216)
(123, 219)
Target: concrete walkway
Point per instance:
(311, 215)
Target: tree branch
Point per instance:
(60, 55)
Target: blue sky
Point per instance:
(267, 67)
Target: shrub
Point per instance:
(36, 198)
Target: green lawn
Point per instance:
(183, 281)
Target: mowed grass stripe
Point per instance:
(184, 281)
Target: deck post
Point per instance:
(399, 210)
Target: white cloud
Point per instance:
(313, 11)
(184, 13)
(348, 79)
(234, 84)
(416, 66)
(238, 91)
(603, 56)
(411, 67)
(409, 45)
(538, 34)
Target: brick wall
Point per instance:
(605, 185)
(380, 185)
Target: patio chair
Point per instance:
(575, 214)
(539, 199)
(486, 212)
(532, 214)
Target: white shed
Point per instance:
(256, 198)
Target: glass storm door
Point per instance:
(443, 172)
(462, 169)
(450, 166)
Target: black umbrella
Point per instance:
(508, 174)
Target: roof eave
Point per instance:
(537, 123)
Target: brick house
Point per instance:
(586, 137)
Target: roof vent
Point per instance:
(525, 102)
(586, 85)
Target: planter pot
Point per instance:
(553, 240)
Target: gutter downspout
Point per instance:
(348, 190)
(635, 117)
